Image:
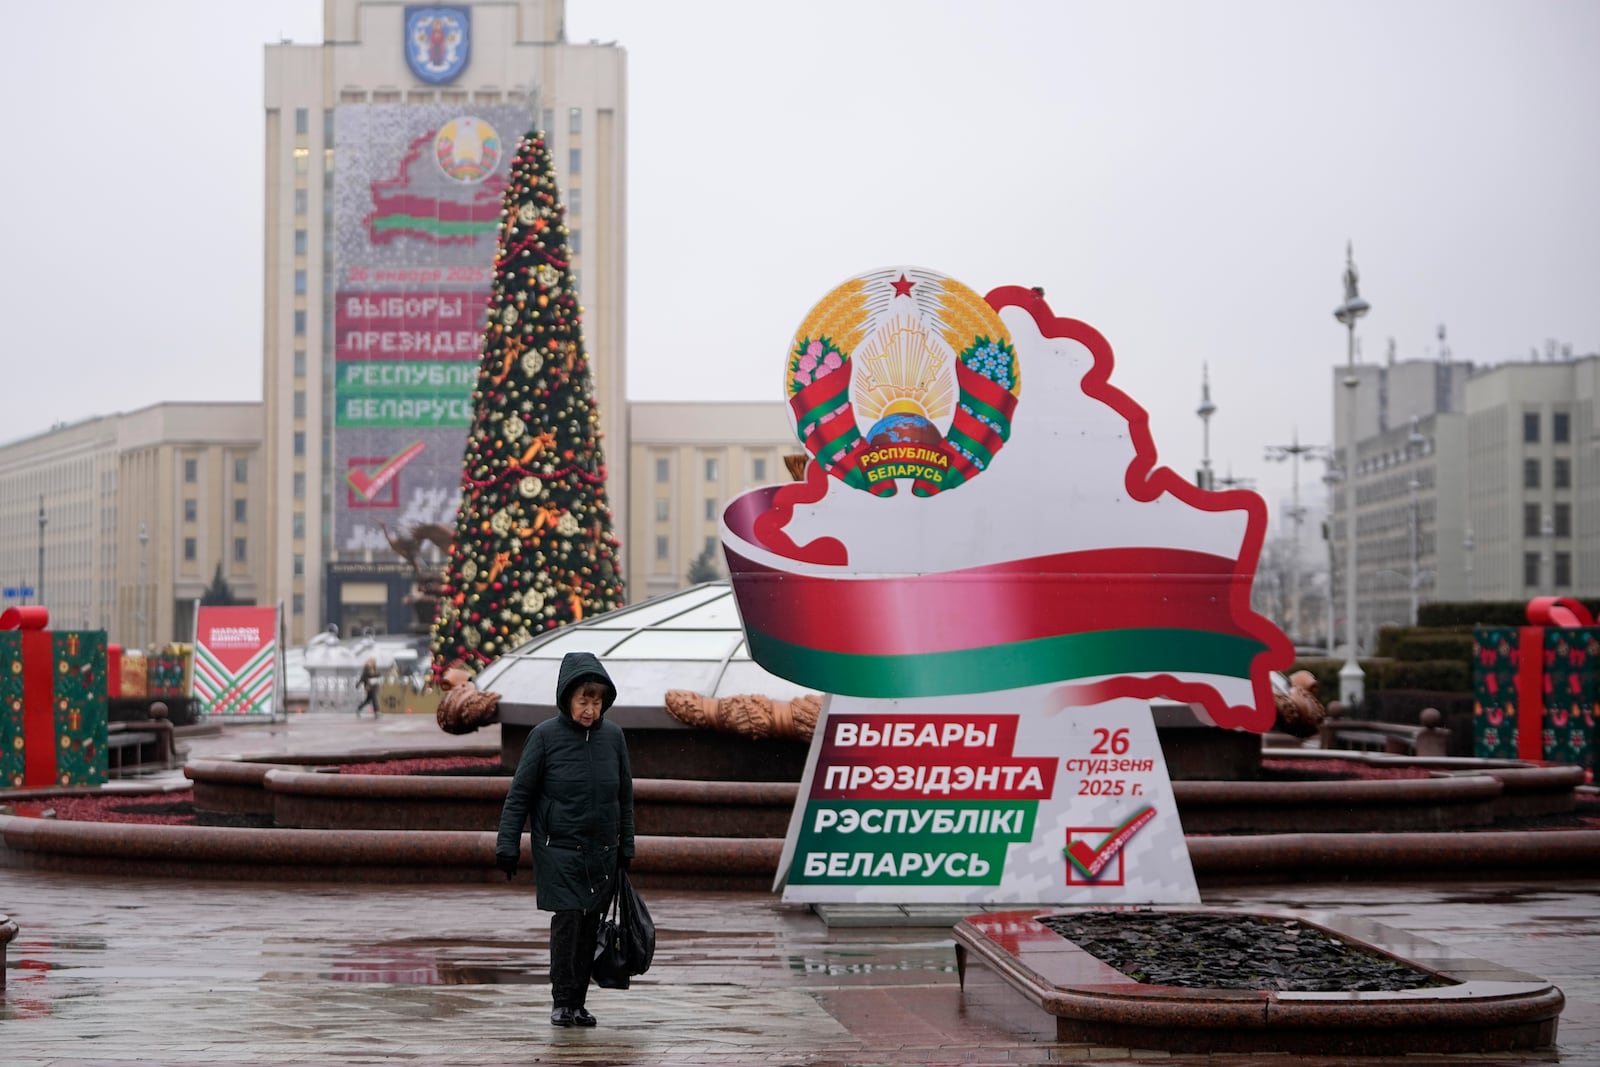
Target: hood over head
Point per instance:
(576, 667)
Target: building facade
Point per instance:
(387, 148)
(686, 462)
(140, 511)
(1469, 483)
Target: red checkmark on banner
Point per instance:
(1090, 861)
(369, 484)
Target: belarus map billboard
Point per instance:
(416, 205)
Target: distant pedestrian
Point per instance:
(369, 687)
(575, 782)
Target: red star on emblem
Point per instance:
(902, 287)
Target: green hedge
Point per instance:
(1438, 675)
(1481, 613)
(1420, 644)
(1434, 675)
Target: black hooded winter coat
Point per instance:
(576, 786)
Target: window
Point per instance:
(299, 283)
(1530, 474)
(241, 471)
(661, 471)
(300, 206)
(299, 487)
(302, 160)
(299, 442)
(191, 509)
(663, 509)
(298, 604)
(238, 511)
(574, 120)
(191, 471)
(1560, 427)
(302, 120)
(1530, 569)
(711, 544)
(300, 404)
(661, 547)
(575, 242)
(327, 125)
(299, 323)
(1561, 473)
(1530, 520)
(299, 527)
(574, 162)
(711, 509)
(1563, 520)
(1563, 562)
(758, 469)
(1530, 426)
(299, 242)
(574, 201)
(240, 554)
(711, 470)
(299, 363)
(547, 121)
(299, 565)
(188, 550)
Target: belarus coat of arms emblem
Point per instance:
(902, 376)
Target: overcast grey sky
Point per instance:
(1181, 175)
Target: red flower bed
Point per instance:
(1339, 769)
(432, 765)
(172, 809)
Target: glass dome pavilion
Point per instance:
(691, 639)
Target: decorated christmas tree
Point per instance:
(533, 544)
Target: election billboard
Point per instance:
(417, 192)
(989, 572)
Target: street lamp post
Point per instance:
(1351, 680)
(1205, 411)
(1297, 514)
(39, 589)
(144, 539)
(1547, 531)
(1416, 578)
(1330, 479)
(1414, 443)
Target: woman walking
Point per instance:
(575, 784)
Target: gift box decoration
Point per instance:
(168, 673)
(1536, 688)
(52, 702)
(134, 674)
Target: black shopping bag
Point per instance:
(627, 938)
(638, 929)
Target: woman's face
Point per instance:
(587, 701)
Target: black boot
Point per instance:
(562, 1017)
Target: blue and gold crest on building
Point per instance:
(438, 41)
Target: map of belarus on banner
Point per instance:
(983, 530)
(235, 661)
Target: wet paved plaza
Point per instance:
(108, 970)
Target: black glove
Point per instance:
(507, 864)
(624, 862)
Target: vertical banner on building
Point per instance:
(235, 668)
(987, 569)
(416, 207)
